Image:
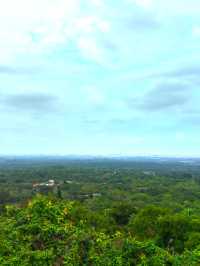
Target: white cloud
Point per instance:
(104, 26)
(86, 24)
(180, 136)
(34, 26)
(143, 3)
(95, 96)
(87, 30)
(20, 19)
(130, 140)
(196, 31)
(91, 49)
(170, 8)
(89, 24)
(98, 3)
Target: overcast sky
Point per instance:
(100, 77)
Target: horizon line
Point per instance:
(104, 155)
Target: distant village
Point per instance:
(50, 183)
(51, 186)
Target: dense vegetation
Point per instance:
(106, 213)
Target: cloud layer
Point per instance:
(36, 103)
(165, 96)
(98, 76)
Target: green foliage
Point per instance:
(101, 216)
(48, 231)
(121, 212)
(145, 223)
(173, 231)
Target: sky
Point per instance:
(100, 77)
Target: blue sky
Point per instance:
(100, 77)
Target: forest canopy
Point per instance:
(100, 213)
